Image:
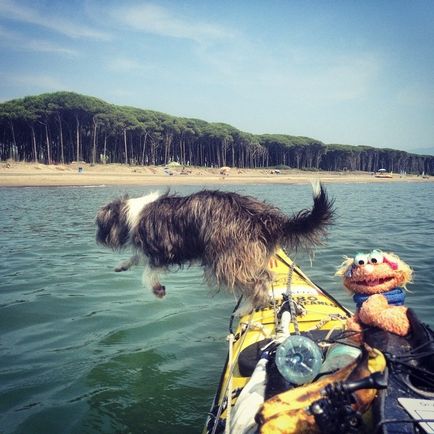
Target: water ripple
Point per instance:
(84, 349)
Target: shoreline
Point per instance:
(14, 174)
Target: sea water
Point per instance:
(87, 350)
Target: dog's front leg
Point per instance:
(151, 279)
(126, 265)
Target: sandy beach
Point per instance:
(13, 174)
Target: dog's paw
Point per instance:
(123, 266)
(127, 264)
(159, 290)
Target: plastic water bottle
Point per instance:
(338, 356)
(298, 359)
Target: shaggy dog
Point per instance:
(230, 235)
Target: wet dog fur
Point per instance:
(232, 236)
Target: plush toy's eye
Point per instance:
(376, 257)
(361, 259)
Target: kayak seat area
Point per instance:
(410, 357)
(423, 340)
(250, 356)
(410, 372)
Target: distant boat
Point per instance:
(382, 173)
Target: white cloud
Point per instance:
(12, 11)
(251, 69)
(16, 41)
(158, 20)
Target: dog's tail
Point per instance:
(308, 227)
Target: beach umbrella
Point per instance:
(225, 170)
(173, 164)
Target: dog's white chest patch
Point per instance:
(136, 205)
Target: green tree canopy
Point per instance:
(66, 127)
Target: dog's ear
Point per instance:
(112, 229)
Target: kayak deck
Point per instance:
(317, 313)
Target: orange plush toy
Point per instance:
(377, 281)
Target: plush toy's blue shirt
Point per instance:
(395, 297)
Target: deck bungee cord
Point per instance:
(292, 307)
(253, 393)
(231, 339)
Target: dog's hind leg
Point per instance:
(151, 279)
(127, 264)
(255, 293)
(258, 289)
(243, 270)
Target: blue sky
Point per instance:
(355, 72)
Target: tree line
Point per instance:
(63, 127)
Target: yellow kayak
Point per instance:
(283, 357)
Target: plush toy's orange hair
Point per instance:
(405, 271)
